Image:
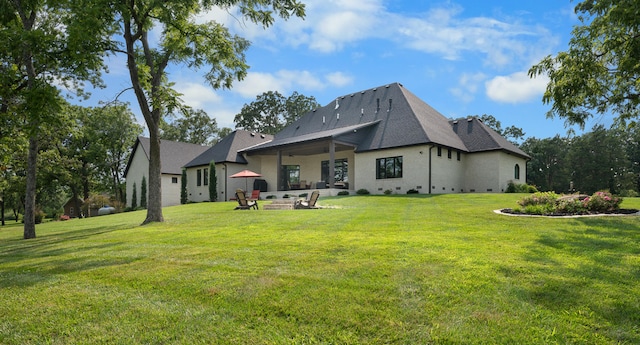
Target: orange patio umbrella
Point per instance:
(245, 174)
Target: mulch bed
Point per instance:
(620, 212)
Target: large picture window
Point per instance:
(340, 172)
(390, 167)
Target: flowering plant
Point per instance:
(602, 202)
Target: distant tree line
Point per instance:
(602, 159)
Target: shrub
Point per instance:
(303, 195)
(39, 216)
(388, 191)
(520, 188)
(539, 209)
(343, 192)
(571, 206)
(539, 198)
(270, 197)
(551, 203)
(362, 192)
(602, 202)
(413, 191)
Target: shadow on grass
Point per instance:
(28, 262)
(585, 266)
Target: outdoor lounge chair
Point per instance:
(243, 203)
(310, 203)
(255, 195)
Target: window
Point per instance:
(206, 177)
(340, 171)
(174, 180)
(390, 167)
(439, 151)
(199, 178)
(449, 153)
(290, 175)
(516, 172)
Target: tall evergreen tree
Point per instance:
(183, 187)
(134, 197)
(213, 182)
(143, 192)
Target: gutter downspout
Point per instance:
(430, 148)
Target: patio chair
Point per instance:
(255, 195)
(243, 203)
(310, 203)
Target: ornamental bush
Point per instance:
(602, 202)
(539, 198)
(552, 203)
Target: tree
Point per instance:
(511, 133)
(181, 40)
(548, 167)
(213, 182)
(195, 127)
(183, 187)
(143, 192)
(271, 112)
(600, 70)
(134, 197)
(46, 44)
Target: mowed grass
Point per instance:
(407, 269)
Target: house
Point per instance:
(228, 161)
(387, 139)
(78, 208)
(73, 208)
(173, 156)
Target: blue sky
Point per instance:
(463, 57)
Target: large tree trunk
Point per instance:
(30, 196)
(154, 201)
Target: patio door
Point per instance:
(290, 176)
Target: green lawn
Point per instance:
(410, 269)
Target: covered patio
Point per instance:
(317, 161)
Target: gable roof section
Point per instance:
(227, 150)
(479, 137)
(392, 115)
(173, 154)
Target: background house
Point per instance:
(228, 161)
(173, 156)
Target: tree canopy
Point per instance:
(194, 126)
(599, 72)
(271, 111)
(46, 44)
(179, 39)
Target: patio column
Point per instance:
(332, 163)
(279, 170)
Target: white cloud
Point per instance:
(197, 95)
(287, 81)
(468, 86)
(515, 88)
(339, 79)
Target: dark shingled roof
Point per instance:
(173, 154)
(385, 117)
(226, 151)
(479, 137)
